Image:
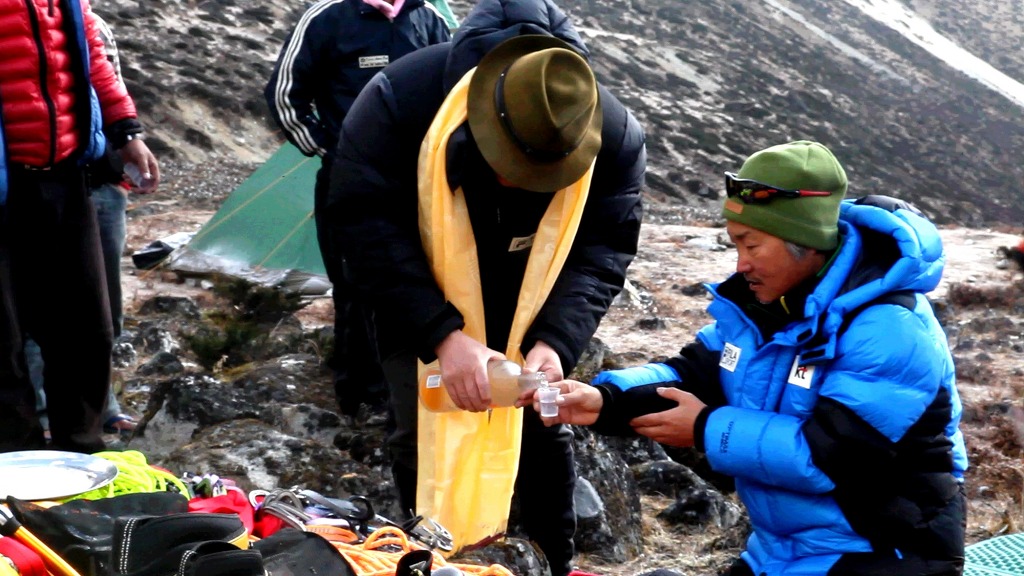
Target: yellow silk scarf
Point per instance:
(468, 461)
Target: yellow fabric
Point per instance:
(468, 461)
(7, 567)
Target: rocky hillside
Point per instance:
(710, 81)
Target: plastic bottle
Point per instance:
(507, 383)
(134, 174)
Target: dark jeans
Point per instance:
(358, 377)
(110, 202)
(57, 290)
(546, 478)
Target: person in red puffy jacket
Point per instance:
(60, 103)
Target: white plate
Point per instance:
(51, 474)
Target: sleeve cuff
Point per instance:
(698, 427)
(448, 320)
(609, 420)
(123, 131)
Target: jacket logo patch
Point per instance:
(801, 375)
(373, 61)
(521, 243)
(730, 357)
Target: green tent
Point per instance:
(446, 13)
(264, 230)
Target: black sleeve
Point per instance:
(697, 368)
(605, 244)
(298, 74)
(372, 210)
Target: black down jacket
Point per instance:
(373, 200)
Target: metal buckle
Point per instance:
(356, 511)
(434, 535)
(283, 504)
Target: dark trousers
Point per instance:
(52, 281)
(546, 478)
(110, 202)
(358, 377)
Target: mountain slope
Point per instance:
(710, 81)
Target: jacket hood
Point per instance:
(887, 246)
(493, 21)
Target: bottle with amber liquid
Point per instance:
(507, 383)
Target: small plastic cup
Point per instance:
(548, 398)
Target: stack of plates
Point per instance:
(51, 474)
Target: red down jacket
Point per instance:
(43, 90)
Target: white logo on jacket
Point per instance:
(730, 357)
(801, 375)
(373, 61)
(521, 243)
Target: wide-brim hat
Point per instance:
(535, 113)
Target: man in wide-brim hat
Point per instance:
(486, 195)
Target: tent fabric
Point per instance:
(446, 13)
(264, 231)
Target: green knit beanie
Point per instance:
(809, 221)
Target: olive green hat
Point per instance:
(534, 112)
(809, 221)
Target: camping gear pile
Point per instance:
(113, 514)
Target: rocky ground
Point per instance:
(981, 306)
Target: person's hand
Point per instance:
(543, 358)
(672, 427)
(136, 152)
(578, 403)
(464, 370)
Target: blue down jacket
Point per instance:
(841, 428)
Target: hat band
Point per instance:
(534, 153)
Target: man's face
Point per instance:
(770, 269)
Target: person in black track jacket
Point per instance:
(334, 50)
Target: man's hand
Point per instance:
(543, 358)
(464, 370)
(672, 427)
(136, 152)
(578, 403)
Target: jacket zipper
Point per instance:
(41, 50)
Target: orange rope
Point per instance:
(379, 554)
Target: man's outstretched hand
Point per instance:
(578, 403)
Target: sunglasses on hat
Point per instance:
(754, 192)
